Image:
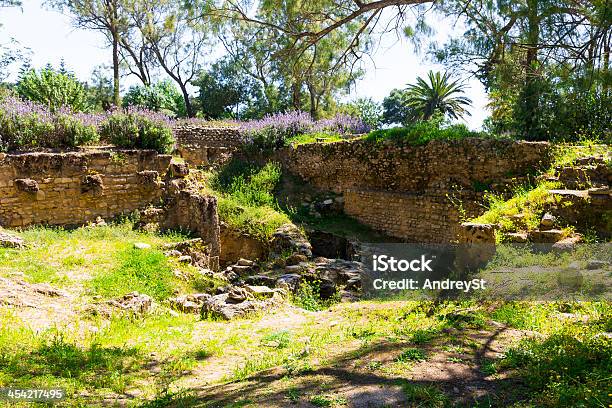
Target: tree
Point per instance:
(226, 91)
(99, 90)
(53, 89)
(523, 51)
(307, 23)
(396, 109)
(176, 38)
(106, 16)
(159, 97)
(440, 95)
(367, 110)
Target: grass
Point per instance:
(521, 212)
(95, 358)
(142, 270)
(245, 197)
(421, 133)
(309, 138)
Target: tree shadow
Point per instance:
(347, 376)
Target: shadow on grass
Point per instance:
(345, 377)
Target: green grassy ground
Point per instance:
(166, 357)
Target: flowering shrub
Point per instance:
(273, 131)
(27, 125)
(136, 128)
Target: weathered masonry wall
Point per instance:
(416, 193)
(200, 145)
(74, 188)
(436, 166)
(415, 217)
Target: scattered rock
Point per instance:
(260, 292)
(133, 302)
(547, 221)
(546, 237)
(600, 191)
(567, 244)
(295, 259)
(290, 238)
(188, 303)
(195, 248)
(141, 245)
(173, 253)
(226, 307)
(10, 241)
(288, 281)
(517, 237)
(594, 264)
(184, 259)
(260, 280)
(244, 262)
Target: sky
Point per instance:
(50, 37)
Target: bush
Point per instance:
(160, 97)
(138, 129)
(421, 133)
(275, 131)
(27, 125)
(54, 90)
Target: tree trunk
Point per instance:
(313, 102)
(115, 34)
(531, 92)
(188, 106)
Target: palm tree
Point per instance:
(439, 95)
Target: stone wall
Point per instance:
(202, 145)
(74, 188)
(436, 166)
(431, 218)
(416, 193)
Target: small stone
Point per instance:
(295, 259)
(517, 237)
(10, 241)
(329, 201)
(244, 262)
(567, 244)
(593, 264)
(141, 245)
(260, 291)
(548, 236)
(184, 259)
(548, 220)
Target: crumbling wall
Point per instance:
(77, 187)
(200, 145)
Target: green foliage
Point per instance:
(421, 133)
(318, 137)
(565, 369)
(245, 199)
(226, 91)
(134, 129)
(53, 89)
(143, 270)
(411, 354)
(161, 97)
(308, 296)
(367, 110)
(396, 109)
(439, 95)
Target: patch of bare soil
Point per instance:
(40, 305)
